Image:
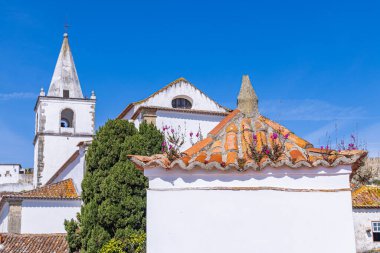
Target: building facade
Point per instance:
(179, 105)
(64, 127)
(39, 211)
(250, 185)
(366, 212)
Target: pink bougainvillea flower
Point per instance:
(191, 134)
(170, 147)
(321, 147)
(197, 135)
(172, 130)
(274, 136)
(163, 144)
(286, 136)
(254, 136)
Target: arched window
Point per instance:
(67, 117)
(182, 103)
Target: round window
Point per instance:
(181, 103)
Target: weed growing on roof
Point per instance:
(272, 151)
(174, 139)
(172, 143)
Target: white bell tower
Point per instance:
(63, 118)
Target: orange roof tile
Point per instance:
(227, 147)
(62, 190)
(247, 140)
(367, 196)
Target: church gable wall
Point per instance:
(74, 170)
(183, 89)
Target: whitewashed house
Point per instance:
(250, 186)
(15, 178)
(9, 173)
(179, 105)
(39, 211)
(366, 212)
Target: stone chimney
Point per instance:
(247, 99)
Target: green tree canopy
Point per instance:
(114, 191)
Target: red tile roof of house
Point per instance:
(235, 141)
(366, 196)
(62, 190)
(227, 147)
(34, 243)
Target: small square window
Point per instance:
(66, 93)
(376, 231)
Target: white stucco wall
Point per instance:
(9, 173)
(16, 187)
(186, 122)
(363, 219)
(75, 170)
(59, 143)
(204, 211)
(57, 150)
(51, 108)
(200, 101)
(4, 218)
(47, 216)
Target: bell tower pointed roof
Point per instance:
(248, 103)
(65, 81)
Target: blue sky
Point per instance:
(315, 66)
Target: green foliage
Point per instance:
(73, 237)
(136, 243)
(131, 243)
(114, 192)
(113, 246)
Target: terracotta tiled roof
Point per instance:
(62, 190)
(228, 147)
(181, 79)
(367, 196)
(34, 243)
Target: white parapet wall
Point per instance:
(276, 210)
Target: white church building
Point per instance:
(250, 186)
(64, 128)
(244, 183)
(179, 105)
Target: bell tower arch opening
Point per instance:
(67, 118)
